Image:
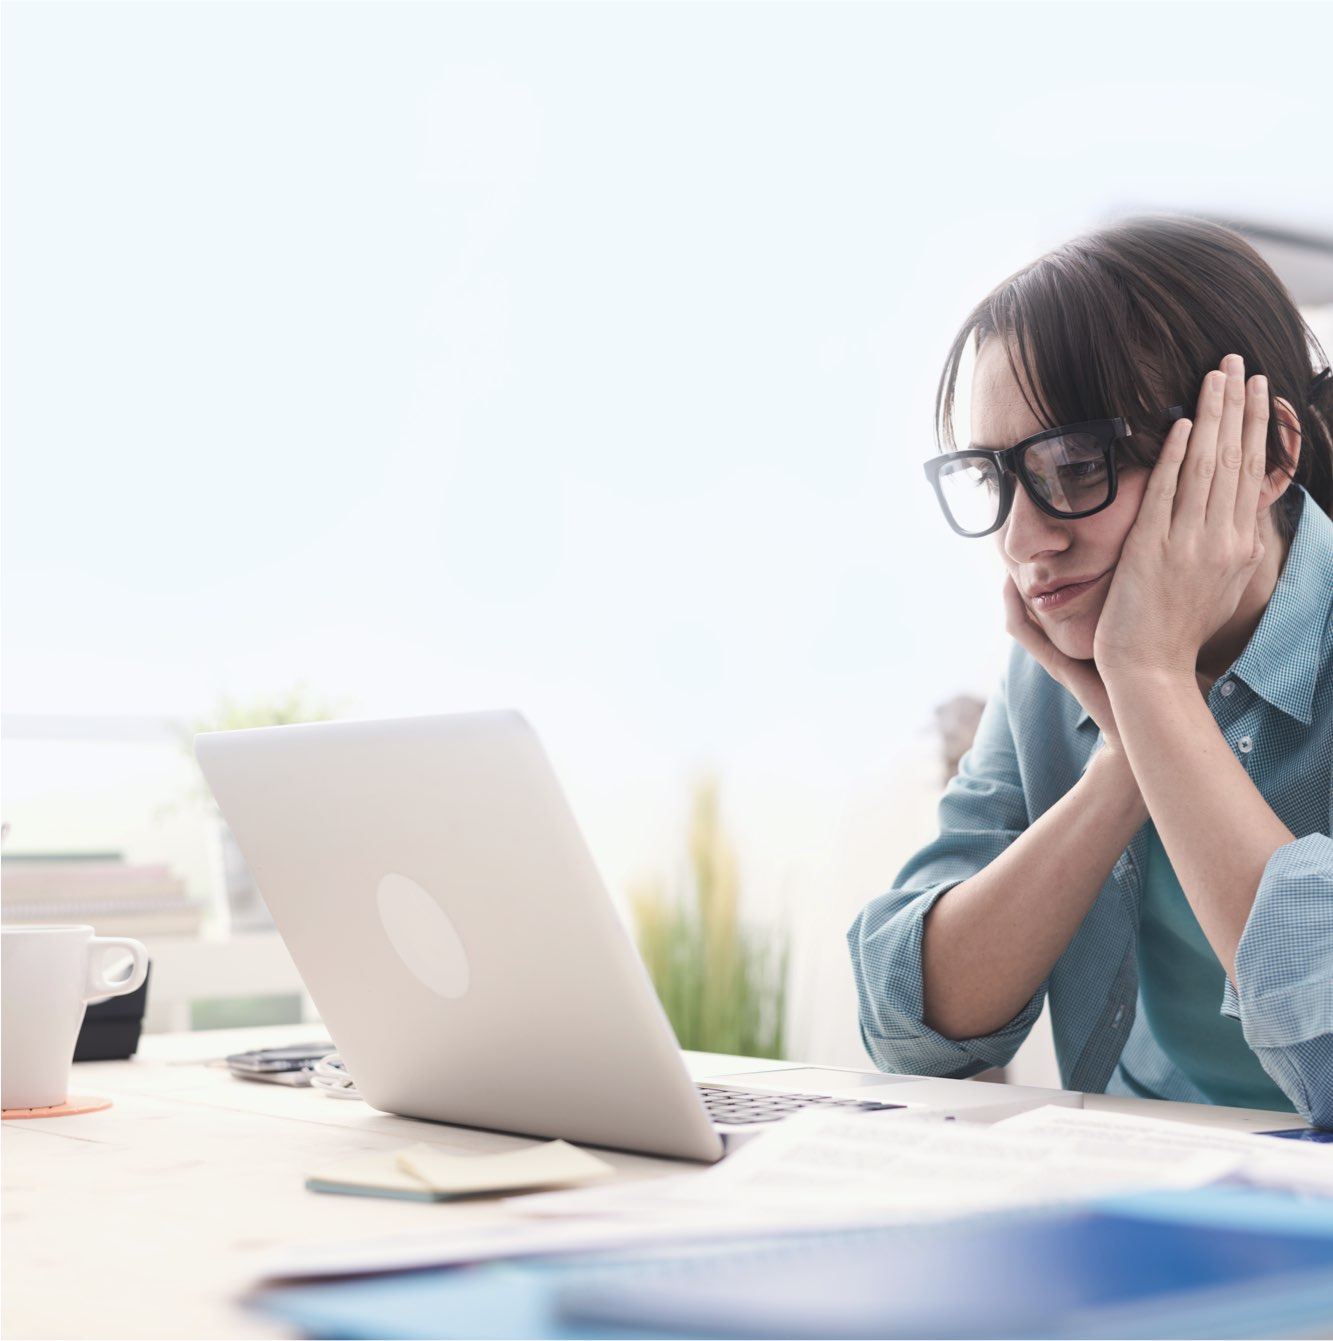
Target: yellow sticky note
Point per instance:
(554, 1164)
(372, 1175)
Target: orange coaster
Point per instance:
(76, 1103)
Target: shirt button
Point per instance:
(1245, 745)
(1228, 689)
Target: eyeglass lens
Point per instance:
(1069, 473)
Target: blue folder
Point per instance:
(1218, 1262)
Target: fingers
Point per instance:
(1230, 454)
(1254, 453)
(1197, 476)
(1213, 469)
(1159, 497)
(1022, 628)
(1079, 678)
(1015, 609)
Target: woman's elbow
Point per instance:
(1317, 1110)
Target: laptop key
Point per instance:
(728, 1106)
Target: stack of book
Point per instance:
(97, 888)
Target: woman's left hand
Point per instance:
(1196, 544)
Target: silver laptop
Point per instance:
(446, 916)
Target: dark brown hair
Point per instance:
(1127, 320)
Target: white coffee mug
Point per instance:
(47, 977)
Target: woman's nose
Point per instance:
(1029, 533)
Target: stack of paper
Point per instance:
(817, 1170)
(833, 1168)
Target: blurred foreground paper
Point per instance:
(1215, 1262)
(1209, 1262)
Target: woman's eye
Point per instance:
(1082, 472)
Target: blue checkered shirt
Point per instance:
(1275, 708)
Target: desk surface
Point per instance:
(143, 1220)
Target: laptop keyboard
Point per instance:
(735, 1106)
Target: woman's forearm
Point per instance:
(991, 940)
(1216, 827)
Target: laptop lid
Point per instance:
(446, 916)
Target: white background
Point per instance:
(578, 358)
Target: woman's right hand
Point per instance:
(1081, 678)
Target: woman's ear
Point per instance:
(1289, 431)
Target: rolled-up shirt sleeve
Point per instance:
(1283, 993)
(982, 811)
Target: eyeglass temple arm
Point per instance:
(1170, 415)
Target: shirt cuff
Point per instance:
(1284, 963)
(885, 942)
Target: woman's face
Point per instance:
(1061, 568)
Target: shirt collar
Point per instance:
(1281, 661)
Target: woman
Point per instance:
(1141, 829)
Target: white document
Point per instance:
(831, 1167)
(1261, 1161)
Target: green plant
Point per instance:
(723, 985)
(244, 906)
(280, 709)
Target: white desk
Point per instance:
(141, 1221)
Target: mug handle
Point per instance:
(97, 983)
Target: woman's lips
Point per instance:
(1052, 600)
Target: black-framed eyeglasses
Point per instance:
(1068, 472)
